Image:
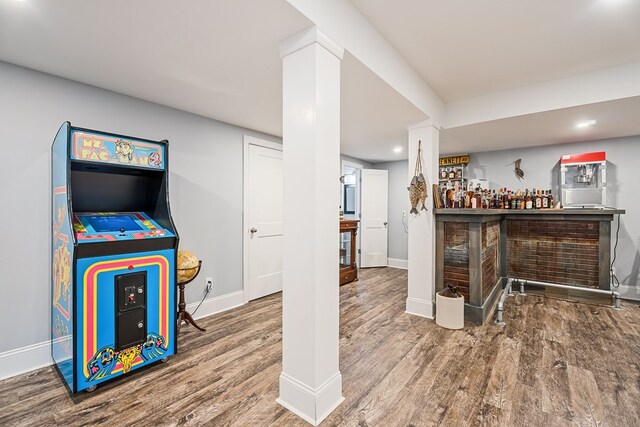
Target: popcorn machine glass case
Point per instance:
(583, 180)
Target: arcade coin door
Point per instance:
(114, 247)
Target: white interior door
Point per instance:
(373, 223)
(264, 225)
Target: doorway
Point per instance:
(263, 218)
(350, 196)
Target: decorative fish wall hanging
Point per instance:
(418, 187)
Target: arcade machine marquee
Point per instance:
(114, 248)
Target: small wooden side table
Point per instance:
(347, 254)
(183, 314)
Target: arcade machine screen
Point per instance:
(104, 223)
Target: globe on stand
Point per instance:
(188, 268)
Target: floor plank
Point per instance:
(555, 363)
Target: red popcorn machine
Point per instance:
(583, 180)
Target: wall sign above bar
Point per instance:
(96, 147)
(455, 160)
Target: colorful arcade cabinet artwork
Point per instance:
(114, 249)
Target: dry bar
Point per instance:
(478, 249)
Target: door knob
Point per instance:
(253, 230)
(385, 223)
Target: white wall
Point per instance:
(398, 201)
(540, 165)
(205, 185)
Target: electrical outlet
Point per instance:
(209, 281)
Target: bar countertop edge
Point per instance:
(482, 212)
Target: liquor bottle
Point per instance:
(527, 200)
(476, 203)
(452, 174)
(522, 200)
(545, 200)
(468, 195)
(485, 200)
(551, 204)
(538, 200)
(500, 199)
(533, 198)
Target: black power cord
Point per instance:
(206, 292)
(614, 279)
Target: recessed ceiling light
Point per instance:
(585, 124)
(397, 150)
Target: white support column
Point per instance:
(422, 248)
(310, 382)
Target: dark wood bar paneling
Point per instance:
(456, 257)
(564, 252)
(490, 258)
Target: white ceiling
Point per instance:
(614, 119)
(220, 59)
(464, 49)
(374, 116)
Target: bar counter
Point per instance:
(477, 249)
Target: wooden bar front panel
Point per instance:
(565, 252)
(490, 257)
(456, 256)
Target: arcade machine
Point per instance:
(113, 256)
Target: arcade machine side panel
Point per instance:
(126, 316)
(168, 222)
(62, 250)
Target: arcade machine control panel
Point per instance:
(112, 226)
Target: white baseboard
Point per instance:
(398, 263)
(36, 356)
(25, 359)
(216, 305)
(312, 405)
(420, 307)
(629, 292)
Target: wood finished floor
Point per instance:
(556, 363)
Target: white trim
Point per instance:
(351, 165)
(252, 140)
(398, 263)
(35, 356)
(419, 307)
(248, 140)
(629, 292)
(25, 359)
(217, 304)
(308, 37)
(312, 405)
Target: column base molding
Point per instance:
(421, 307)
(312, 405)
